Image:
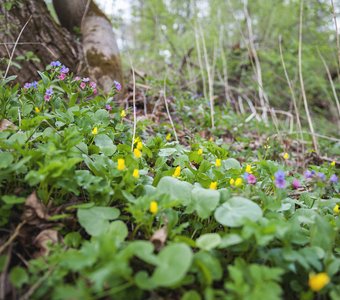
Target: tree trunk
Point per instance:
(42, 36)
(96, 55)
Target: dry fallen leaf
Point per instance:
(159, 238)
(43, 239)
(5, 124)
(34, 208)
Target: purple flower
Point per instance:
(56, 63)
(296, 184)
(93, 85)
(64, 70)
(117, 85)
(49, 92)
(47, 98)
(86, 79)
(322, 176)
(82, 85)
(94, 91)
(333, 179)
(245, 176)
(27, 85)
(77, 78)
(309, 174)
(34, 84)
(108, 107)
(62, 76)
(280, 181)
(251, 179)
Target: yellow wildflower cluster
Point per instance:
(213, 185)
(285, 155)
(168, 137)
(120, 164)
(153, 207)
(200, 151)
(177, 172)
(137, 153)
(218, 162)
(318, 281)
(95, 131)
(123, 113)
(237, 183)
(248, 169)
(135, 173)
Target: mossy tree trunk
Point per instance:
(95, 54)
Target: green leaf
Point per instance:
(6, 160)
(18, 277)
(95, 220)
(203, 201)
(236, 211)
(208, 241)
(118, 230)
(174, 262)
(191, 295)
(105, 144)
(10, 199)
(231, 163)
(167, 152)
(176, 189)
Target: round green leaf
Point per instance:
(204, 201)
(208, 241)
(105, 144)
(236, 211)
(176, 189)
(174, 262)
(95, 220)
(18, 277)
(6, 159)
(231, 163)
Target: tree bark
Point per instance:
(96, 55)
(44, 37)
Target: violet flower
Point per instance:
(280, 181)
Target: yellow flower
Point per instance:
(137, 153)
(336, 209)
(139, 145)
(153, 207)
(121, 164)
(137, 139)
(177, 172)
(232, 181)
(248, 169)
(168, 137)
(318, 281)
(218, 162)
(238, 182)
(333, 163)
(285, 155)
(123, 113)
(200, 151)
(213, 185)
(37, 109)
(95, 131)
(135, 173)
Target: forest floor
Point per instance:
(101, 201)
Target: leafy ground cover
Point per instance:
(90, 210)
